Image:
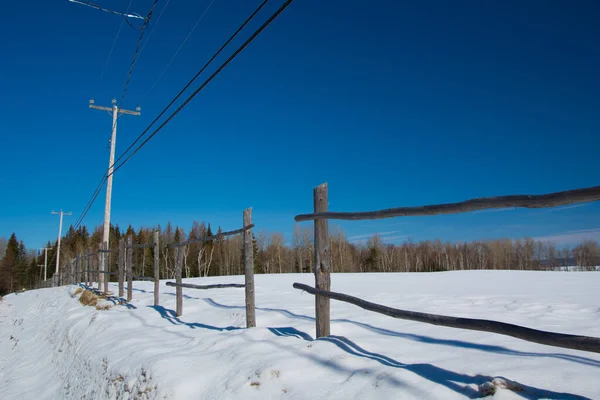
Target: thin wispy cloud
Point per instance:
(361, 237)
(394, 239)
(568, 207)
(572, 237)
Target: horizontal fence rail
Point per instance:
(215, 286)
(214, 237)
(585, 343)
(521, 201)
(104, 251)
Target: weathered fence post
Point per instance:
(156, 269)
(249, 270)
(78, 268)
(129, 267)
(90, 262)
(88, 278)
(179, 289)
(322, 264)
(121, 267)
(100, 266)
(106, 267)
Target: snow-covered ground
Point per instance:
(52, 347)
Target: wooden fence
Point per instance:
(246, 230)
(80, 268)
(322, 264)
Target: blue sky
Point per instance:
(393, 103)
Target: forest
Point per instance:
(22, 269)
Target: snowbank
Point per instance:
(53, 347)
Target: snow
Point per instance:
(53, 347)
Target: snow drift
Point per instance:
(53, 347)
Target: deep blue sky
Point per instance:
(394, 103)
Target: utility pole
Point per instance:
(61, 213)
(116, 111)
(45, 261)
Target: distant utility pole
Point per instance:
(113, 140)
(45, 261)
(61, 213)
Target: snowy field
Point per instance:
(52, 347)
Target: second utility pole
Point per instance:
(45, 261)
(113, 140)
(61, 213)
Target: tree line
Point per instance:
(20, 269)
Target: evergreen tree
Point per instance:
(14, 270)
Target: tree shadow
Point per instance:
(171, 316)
(444, 377)
(427, 339)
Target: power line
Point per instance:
(91, 201)
(242, 47)
(181, 46)
(210, 78)
(194, 78)
(135, 57)
(112, 48)
(154, 27)
(125, 15)
(137, 51)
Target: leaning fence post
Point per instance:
(86, 267)
(322, 264)
(179, 289)
(249, 270)
(156, 269)
(88, 278)
(121, 266)
(77, 268)
(128, 266)
(105, 267)
(90, 260)
(99, 269)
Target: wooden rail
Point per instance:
(521, 201)
(585, 343)
(215, 286)
(214, 237)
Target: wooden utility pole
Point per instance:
(116, 111)
(45, 261)
(61, 213)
